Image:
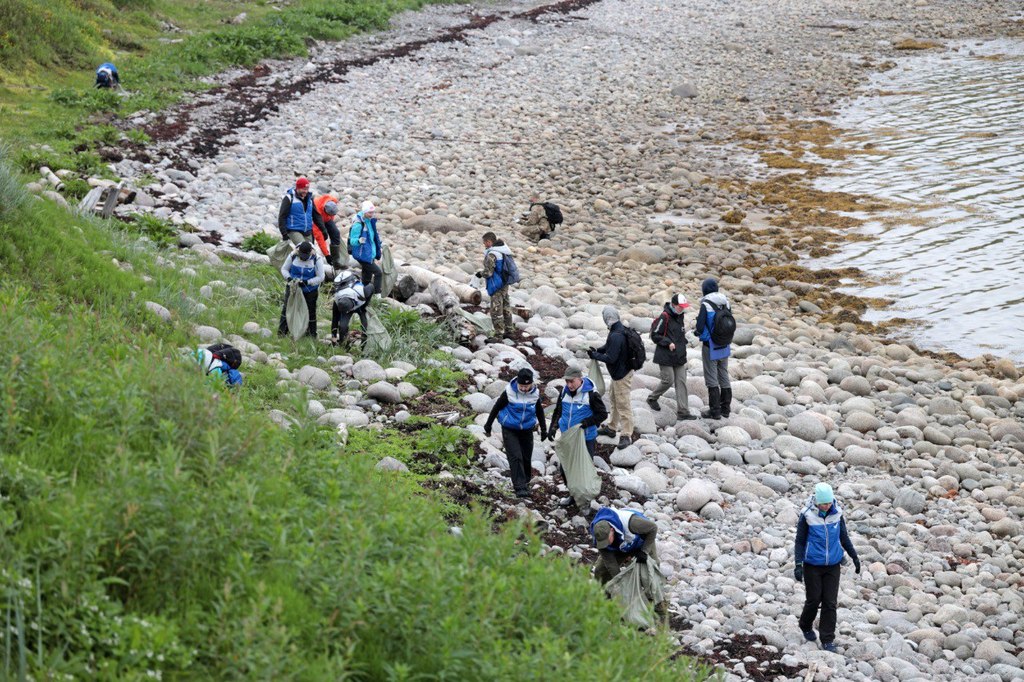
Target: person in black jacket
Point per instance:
(615, 354)
(669, 337)
(519, 411)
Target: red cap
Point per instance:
(302, 183)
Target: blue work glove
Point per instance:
(798, 573)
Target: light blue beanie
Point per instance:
(823, 493)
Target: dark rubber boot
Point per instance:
(714, 410)
(725, 402)
(336, 257)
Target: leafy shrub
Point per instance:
(161, 232)
(434, 378)
(138, 136)
(260, 242)
(75, 188)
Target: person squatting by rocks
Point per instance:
(614, 353)
(298, 214)
(715, 359)
(669, 336)
(578, 403)
(351, 297)
(304, 266)
(365, 245)
(497, 288)
(621, 535)
(821, 538)
(519, 411)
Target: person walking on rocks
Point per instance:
(621, 535)
(297, 215)
(351, 297)
(578, 403)
(615, 354)
(327, 207)
(304, 266)
(519, 411)
(365, 246)
(495, 252)
(821, 538)
(714, 358)
(669, 336)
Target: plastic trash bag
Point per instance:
(580, 474)
(639, 588)
(481, 321)
(595, 376)
(387, 264)
(279, 252)
(377, 337)
(296, 312)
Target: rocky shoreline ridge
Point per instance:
(628, 115)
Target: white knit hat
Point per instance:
(367, 207)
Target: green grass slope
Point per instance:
(156, 525)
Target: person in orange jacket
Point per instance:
(327, 207)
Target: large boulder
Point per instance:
(807, 426)
(343, 416)
(695, 494)
(368, 370)
(437, 223)
(314, 377)
(384, 392)
(627, 457)
(644, 253)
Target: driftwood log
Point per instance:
(425, 278)
(445, 299)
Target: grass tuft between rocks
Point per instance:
(153, 523)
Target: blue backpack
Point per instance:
(509, 270)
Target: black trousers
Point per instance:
(340, 321)
(372, 272)
(519, 449)
(822, 589)
(333, 233)
(311, 299)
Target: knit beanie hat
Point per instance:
(823, 493)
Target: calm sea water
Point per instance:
(951, 126)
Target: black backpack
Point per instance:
(551, 212)
(637, 354)
(227, 353)
(724, 328)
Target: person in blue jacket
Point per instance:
(107, 76)
(217, 368)
(493, 273)
(304, 266)
(578, 403)
(620, 535)
(821, 539)
(714, 359)
(365, 246)
(297, 214)
(519, 411)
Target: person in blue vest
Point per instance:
(621, 535)
(519, 411)
(298, 214)
(217, 368)
(107, 76)
(365, 246)
(714, 359)
(578, 403)
(306, 267)
(497, 288)
(821, 539)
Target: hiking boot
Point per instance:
(491, 339)
(566, 502)
(723, 404)
(809, 635)
(831, 646)
(685, 416)
(606, 432)
(523, 495)
(624, 442)
(653, 402)
(714, 410)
